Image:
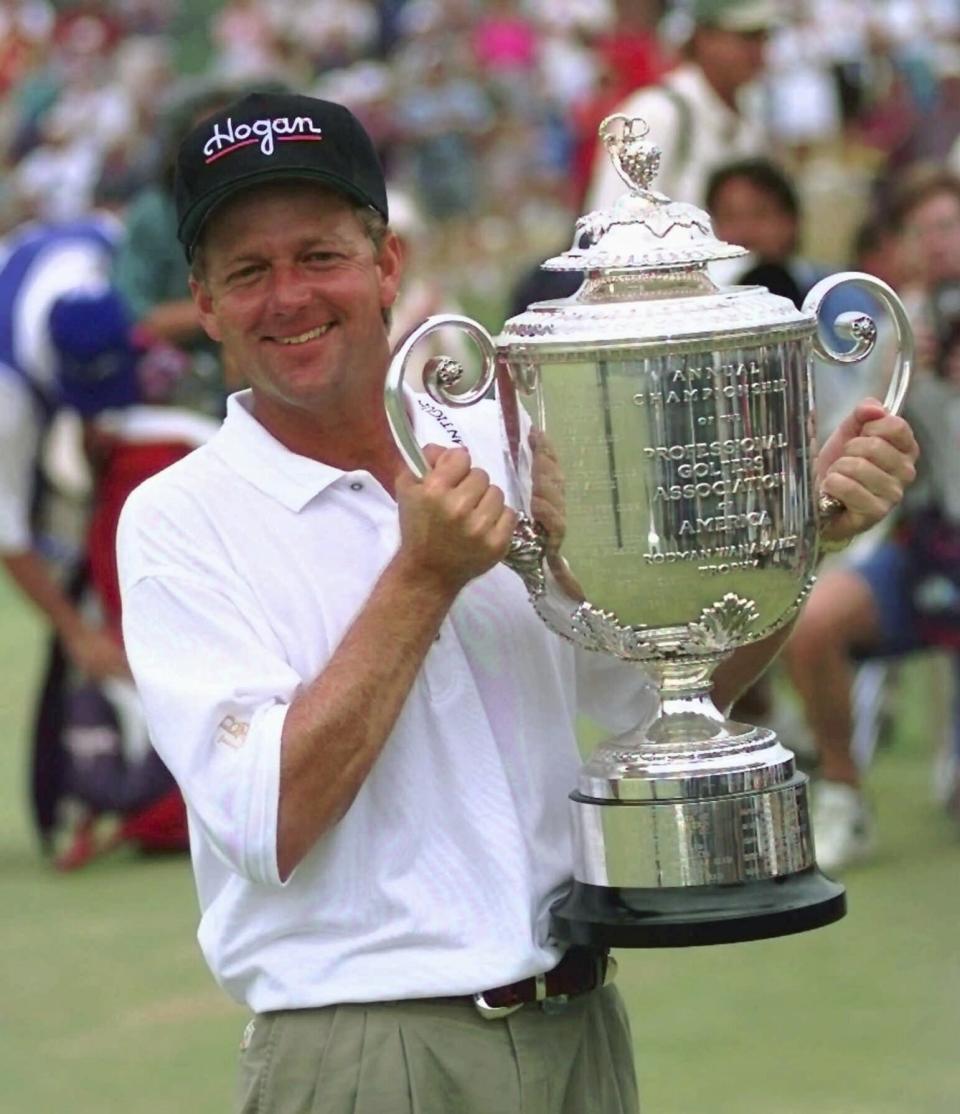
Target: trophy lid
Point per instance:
(644, 259)
(644, 230)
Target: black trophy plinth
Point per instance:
(690, 916)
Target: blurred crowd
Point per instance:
(484, 110)
(824, 138)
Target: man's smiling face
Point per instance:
(295, 291)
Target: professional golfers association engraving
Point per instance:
(679, 416)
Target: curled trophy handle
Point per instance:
(441, 374)
(862, 330)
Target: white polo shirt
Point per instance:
(242, 567)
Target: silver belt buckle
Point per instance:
(493, 1013)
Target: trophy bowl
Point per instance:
(681, 416)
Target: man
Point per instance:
(698, 115)
(902, 595)
(43, 267)
(372, 728)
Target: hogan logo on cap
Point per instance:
(263, 132)
(272, 137)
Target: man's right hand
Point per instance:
(454, 524)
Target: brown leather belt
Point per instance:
(580, 971)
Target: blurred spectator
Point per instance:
(941, 121)
(586, 116)
(87, 29)
(92, 761)
(95, 112)
(243, 37)
(42, 264)
(56, 180)
(804, 110)
(146, 17)
(538, 285)
(144, 74)
(441, 111)
(333, 33)
(501, 132)
(504, 41)
(904, 594)
(841, 30)
(626, 55)
(149, 269)
(877, 250)
(422, 292)
(368, 89)
(25, 28)
(506, 48)
(753, 203)
(700, 115)
(569, 52)
(627, 42)
(926, 212)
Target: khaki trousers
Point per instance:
(441, 1057)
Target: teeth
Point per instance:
(304, 337)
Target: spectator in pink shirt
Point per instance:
(504, 42)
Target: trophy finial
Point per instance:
(635, 159)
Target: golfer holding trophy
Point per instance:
(680, 416)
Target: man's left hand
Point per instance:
(866, 464)
(549, 509)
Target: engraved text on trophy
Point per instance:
(692, 468)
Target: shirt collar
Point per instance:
(293, 480)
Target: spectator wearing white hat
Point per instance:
(701, 115)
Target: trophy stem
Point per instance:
(686, 728)
(686, 713)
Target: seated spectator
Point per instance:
(902, 595)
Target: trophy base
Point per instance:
(690, 916)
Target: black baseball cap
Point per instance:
(268, 137)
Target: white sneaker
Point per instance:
(842, 826)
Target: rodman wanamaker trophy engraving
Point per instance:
(682, 419)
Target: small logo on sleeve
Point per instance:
(266, 131)
(232, 732)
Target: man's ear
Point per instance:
(203, 300)
(390, 268)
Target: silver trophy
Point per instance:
(681, 417)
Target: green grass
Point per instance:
(108, 1009)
